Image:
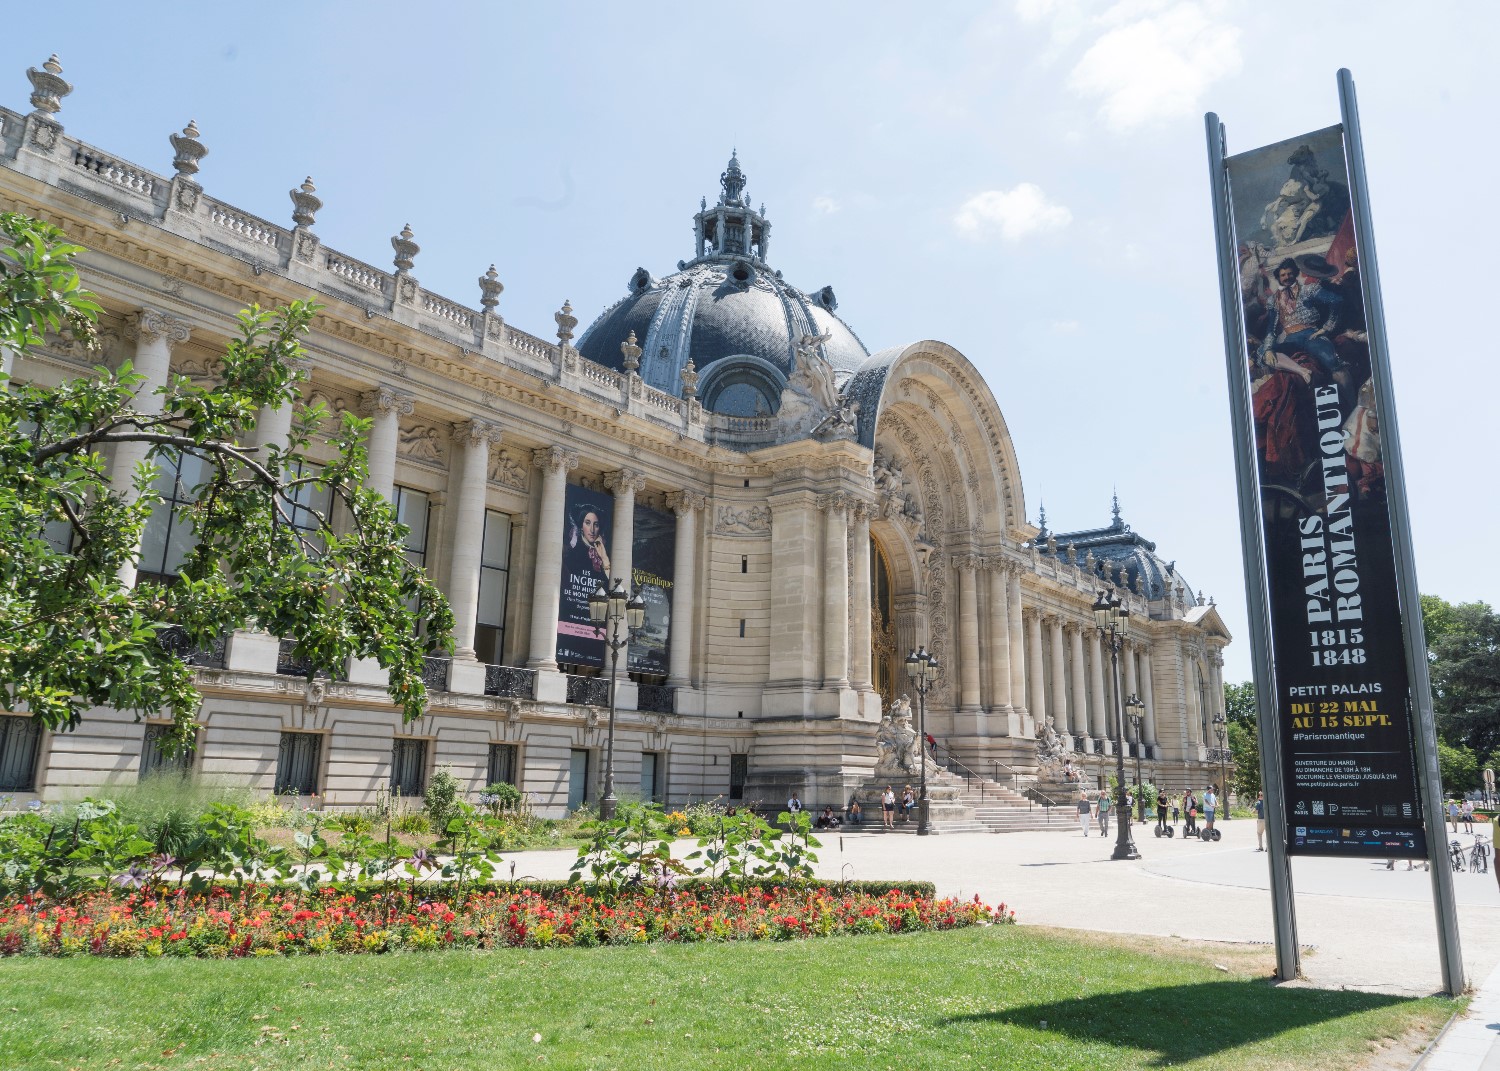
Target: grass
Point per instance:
(967, 999)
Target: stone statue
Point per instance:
(1050, 753)
(898, 749)
(810, 397)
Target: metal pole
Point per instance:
(1124, 842)
(1420, 699)
(923, 803)
(1140, 795)
(1252, 547)
(608, 803)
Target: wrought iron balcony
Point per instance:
(290, 663)
(510, 682)
(655, 698)
(588, 691)
(435, 672)
(175, 641)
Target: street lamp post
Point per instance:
(1135, 710)
(613, 607)
(1113, 620)
(1221, 730)
(922, 669)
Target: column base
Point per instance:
(253, 652)
(368, 671)
(551, 686)
(466, 675)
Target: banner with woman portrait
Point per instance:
(587, 528)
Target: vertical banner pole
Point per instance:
(1252, 539)
(1425, 736)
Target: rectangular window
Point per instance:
(578, 778)
(20, 743)
(503, 765)
(56, 534)
(409, 768)
(310, 503)
(155, 762)
(412, 510)
(739, 772)
(494, 586)
(297, 763)
(653, 775)
(169, 536)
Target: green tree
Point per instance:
(71, 635)
(1239, 703)
(1244, 746)
(1458, 768)
(1463, 650)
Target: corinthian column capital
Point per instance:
(554, 458)
(386, 400)
(151, 325)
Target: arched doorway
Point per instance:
(885, 656)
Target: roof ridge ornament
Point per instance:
(631, 353)
(189, 150)
(406, 249)
(566, 321)
(48, 87)
(490, 288)
(305, 203)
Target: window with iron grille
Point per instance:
(155, 761)
(297, 763)
(502, 766)
(20, 744)
(408, 767)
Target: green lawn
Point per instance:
(970, 998)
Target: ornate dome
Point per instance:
(1116, 547)
(725, 310)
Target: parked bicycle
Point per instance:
(1456, 855)
(1479, 855)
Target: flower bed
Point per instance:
(265, 921)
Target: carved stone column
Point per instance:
(1148, 694)
(625, 484)
(154, 333)
(860, 604)
(968, 634)
(385, 406)
(555, 463)
(999, 640)
(1098, 697)
(685, 504)
(274, 426)
(472, 440)
(835, 508)
(1035, 675)
(1080, 721)
(1058, 708)
(1019, 696)
(1132, 685)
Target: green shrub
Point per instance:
(500, 796)
(411, 822)
(352, 822)
(166, 809)
(441, 798)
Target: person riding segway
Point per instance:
(1163, 827)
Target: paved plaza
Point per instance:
(1363, 926)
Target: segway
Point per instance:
(1209, 834)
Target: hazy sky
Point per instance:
(1023, 180)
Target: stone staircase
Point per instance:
(988, 807)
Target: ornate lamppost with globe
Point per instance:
(1221, 730)
(614, 608)
(1135, 710)
(1113, 620)
(923, 670)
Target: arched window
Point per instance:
(885, 656)
(742, 386)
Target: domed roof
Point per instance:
(1116, 547)
(727, 311)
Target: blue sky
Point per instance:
(1023, 180)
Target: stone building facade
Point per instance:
(828, 509)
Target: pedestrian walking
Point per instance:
(1103, 814)
(888, 808)
(1468, 816)
(1085, 810)
(1161, 811)
(1260, 821)
(1453, 814)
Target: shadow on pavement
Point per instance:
(1184, 1022)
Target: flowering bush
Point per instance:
(261, 920)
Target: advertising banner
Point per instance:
(653, 556)
(587, 529)
(1346, 727)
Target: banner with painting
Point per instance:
(1347, 760)
(587, 529)
(653, 557)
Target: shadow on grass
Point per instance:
(1183, 1022)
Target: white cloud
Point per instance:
(1066, 327)
(826, 206)
(1154, 61)
(1014, 213)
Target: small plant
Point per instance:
(352, 822)
(499, 797)
(442, 798)
(412, 823)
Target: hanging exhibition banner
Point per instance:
(1346, 727)
(585, 568)
(653, 557)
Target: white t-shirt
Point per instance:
(889, 799)
(794, 805)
